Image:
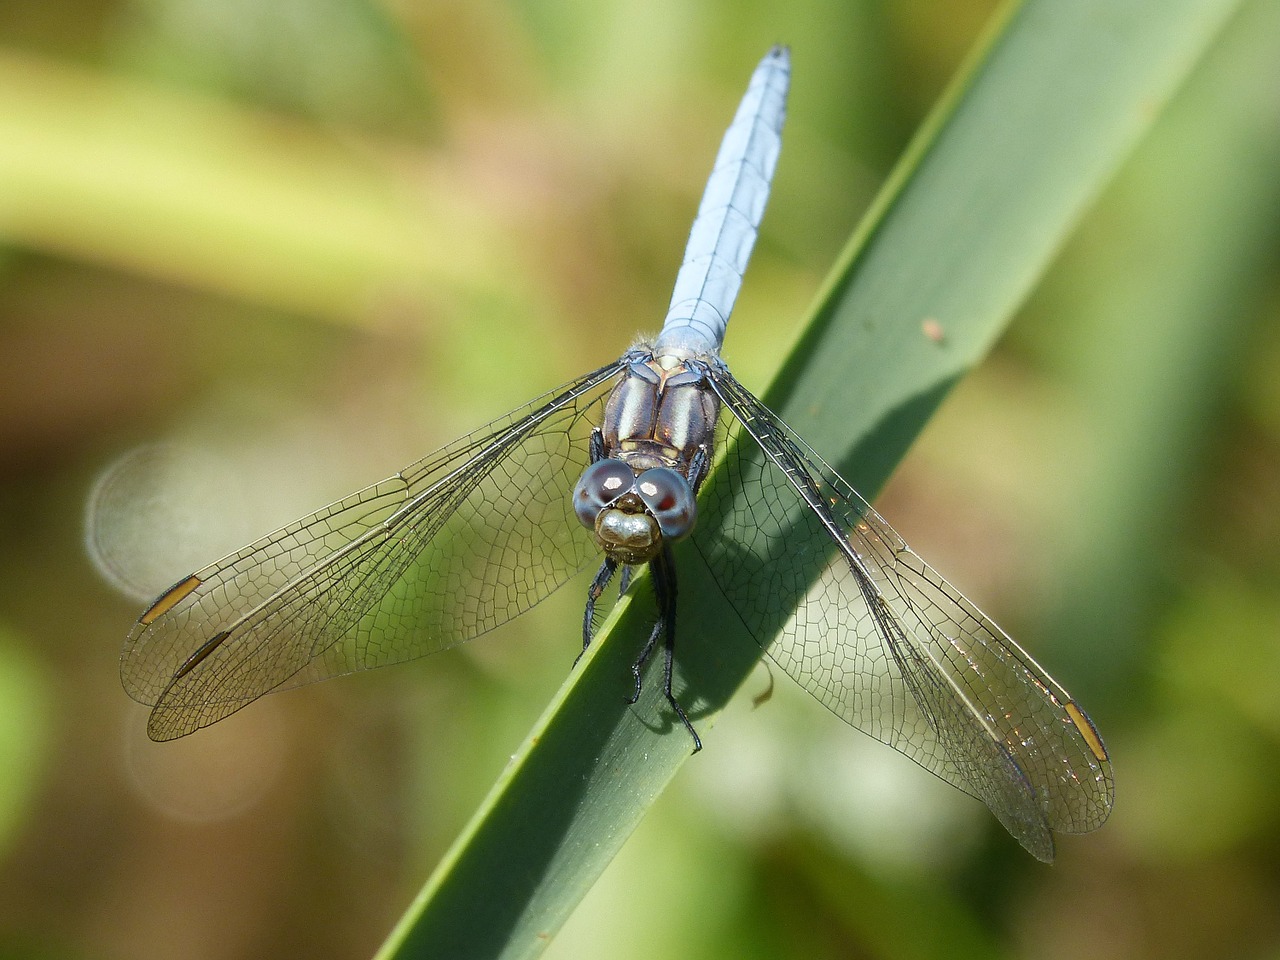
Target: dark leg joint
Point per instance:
(668, 667)
(665, 582)
(596, 590)
(684, 718)
(641, 660)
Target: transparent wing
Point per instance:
(449, 548)
(844, 606)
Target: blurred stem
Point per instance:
(203, 192)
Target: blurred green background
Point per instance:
(257, 254)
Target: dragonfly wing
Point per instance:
(447, 549)
(844, 606)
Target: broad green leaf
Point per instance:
(1030, 131)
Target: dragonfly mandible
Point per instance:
(613, 464)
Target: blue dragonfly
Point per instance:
(611, 467)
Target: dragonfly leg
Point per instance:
(603, 576)
(624, 581)
(699, 467)
(641, 660)
(664, 578)
(595, 447)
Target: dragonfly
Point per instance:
(612, 468)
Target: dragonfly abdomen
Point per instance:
(729, 216)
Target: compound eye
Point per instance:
(600, 485)
(669, 498)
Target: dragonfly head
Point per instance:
(631, 515)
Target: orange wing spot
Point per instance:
(169, 599)
(1087, 730)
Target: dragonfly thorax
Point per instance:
(658, 422)
(660, 414)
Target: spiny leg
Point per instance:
(663, 571)
(595, 446)
(603, 576)
(645, 653)
(699, 467)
